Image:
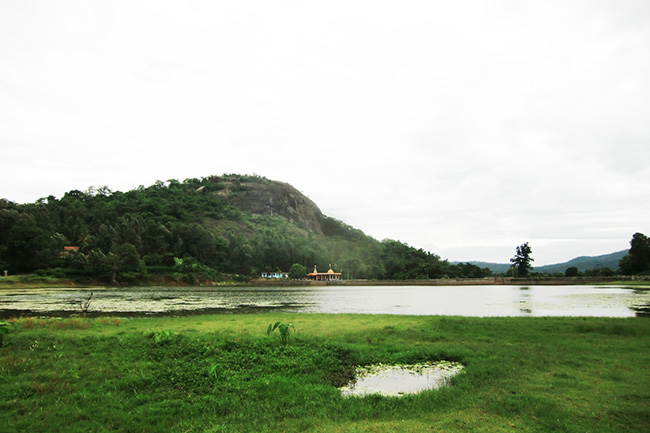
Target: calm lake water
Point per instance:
(605, 301)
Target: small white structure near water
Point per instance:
(275, 275)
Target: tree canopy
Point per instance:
(521, 260)
(637, 261)
(193, 230)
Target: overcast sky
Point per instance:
(461, 127)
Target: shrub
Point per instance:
(283, 328)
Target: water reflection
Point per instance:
(415, 300)
(400, 380)
(525, 304)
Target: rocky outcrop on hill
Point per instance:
(263, 196)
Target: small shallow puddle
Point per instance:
(399, 380)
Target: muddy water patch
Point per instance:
(400, 380)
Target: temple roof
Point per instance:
(330, 271)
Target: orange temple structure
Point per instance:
(324, 276)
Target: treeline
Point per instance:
(187, 232)
(635, 262)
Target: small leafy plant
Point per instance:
(213, 370)
(283, 328)
(161, 337)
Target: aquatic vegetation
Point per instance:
(84, 304)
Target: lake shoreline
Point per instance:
(32, 281)
(488, 281)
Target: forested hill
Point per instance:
(582, 264)
(213, 228)
(585, 263)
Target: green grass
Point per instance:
(645, 284)
(224, 374)
(32, 281)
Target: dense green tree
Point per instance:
(571, 271)
(469, 270)
(99, 265)
(297, 271)
(125, 260)
(521, 261)
(8, 217)
(402, 261)
(600, 272)
(637, 260)
(28, 246)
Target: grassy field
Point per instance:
(224, 374)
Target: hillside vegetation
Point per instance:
(586, 263)
(209, 229)
(582, 264)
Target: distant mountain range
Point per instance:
(583, 263)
